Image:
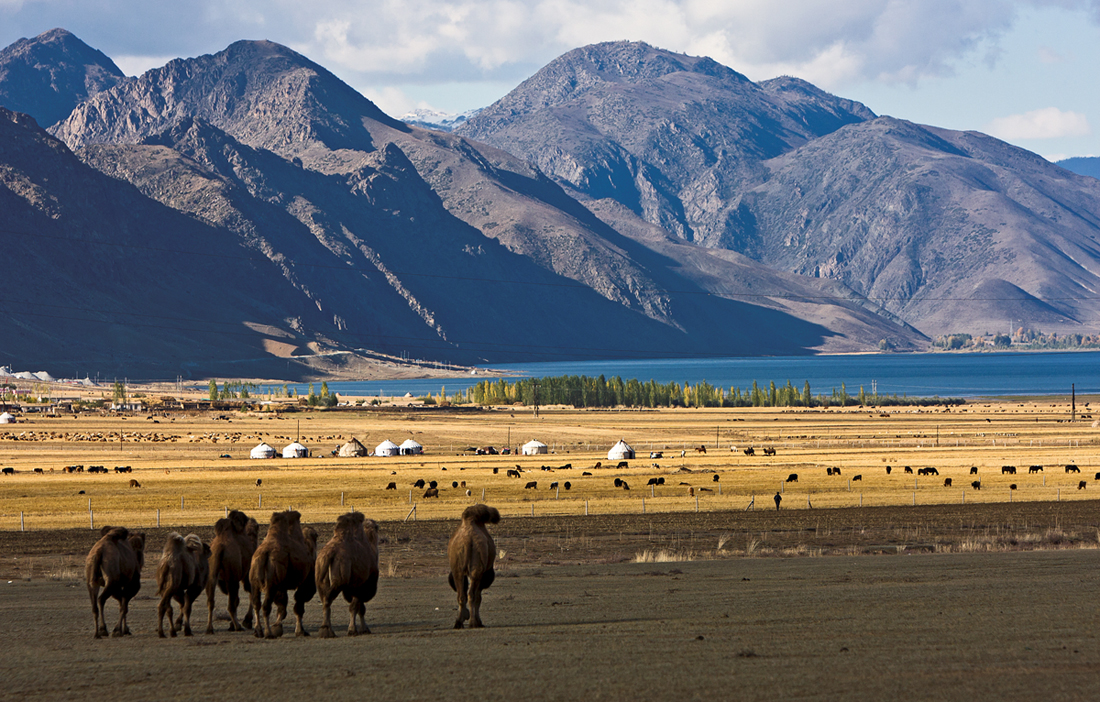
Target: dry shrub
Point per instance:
(663, 556)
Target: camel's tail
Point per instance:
(193, 542)
(481, 514)
(174, 543)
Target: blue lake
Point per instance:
(920, 375)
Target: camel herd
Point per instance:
(287, 559)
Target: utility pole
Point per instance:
(1073, 402)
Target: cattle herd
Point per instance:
(286, 560)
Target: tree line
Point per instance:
(583, 392)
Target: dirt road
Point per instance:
(928, 626)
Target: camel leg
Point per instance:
(475, 603)
(161, 606)
(120, 628)
(300, 611)
(326, 632)
(234, 600)
(354, 611)
(279, 598)
(258, 604)
(97, 612)
(188, 601)
(210, 587)
(232, 587)
(463, 613)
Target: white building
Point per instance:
(620, 452)
(534, 447)
(295, 450)
(387, 448)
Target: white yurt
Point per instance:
(534, 447)
(387, 448)
(295, 450)
(409, 447)
(353, 448)
(620, 452)
(263, 450)
(7, 418)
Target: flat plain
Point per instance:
(854, 589)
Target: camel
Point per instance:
(282, 562)
(235, 540)
(114, 564)
(472, 553)
(348, 564)
(181, 576)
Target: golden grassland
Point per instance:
(184, 480)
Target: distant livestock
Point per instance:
(1082, 485)
(857, 477)
(715, 478)
(792, 478)
(1035, 469)
(1011, 470)
(625, 485)
(1072, 469)
(977, 485)
(566, 485)
(419, 484)
(533, 485)
(888, 469)
(454, 483)
(134, 483)
(656, 454)
(391, 486)
(585, 473)
(259, 482)
(1012, 486)
(908, 470)
(947, 482)
(623, 464)
(431, 492)
(700, 449)
(769, 451)
(513, 473)
(750, 451)
(554, 485)
(973, 470)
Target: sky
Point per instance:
(1021, 70)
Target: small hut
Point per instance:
(620, 452)
(387, 448)
(409, 447)
(263, 450)
(352, 448)
(295, 450)
(7, 418)
(534, 447)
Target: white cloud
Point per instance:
(1047, 123)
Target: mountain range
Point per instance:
(229, 213)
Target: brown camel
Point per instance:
(472, 554)
(181, 576)
(114, 564)
(235, 540)
(348, 564)
(282, 562)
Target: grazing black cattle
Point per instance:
(454, 483)
(9, 471)
(623, 464)
(792, 478)
(888, 469)
(1035, 469)
(932, 471)
(598, 465)
(566, 485)
(828, 471)
(715, 479)
(750, 451)
(585, 473)
(419, 484)
(836, 471)
(1072, 469)
(1097, 477)
(618, 482)
(947, 482)
(462, 484)
(922, 471)
(567, 466)
(546, 468)
(496, 471)
(554, 485)
(39, 470)
(1012, 486)
(625, 486)
(908, 470)
(769, 451)
(1011, 470)
(513, 473)
(431, 492)
(973, 470)
(857, 477)
(977, 485)
(432, 484)
(652, 481)
(533, 485)
(391, 486)
(259, 482)
(1082, 485)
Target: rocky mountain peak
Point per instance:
(47, 76)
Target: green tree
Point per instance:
(213, 389)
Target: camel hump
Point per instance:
(349, 521)
(193, 542)
(370, 530)
(481, 514)
(115, 533)
(222, 526)
(173, 543)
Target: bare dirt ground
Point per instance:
(929, 626)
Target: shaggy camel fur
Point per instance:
(181, 576)
(283, 562)
(348, 564)
(114, 564)
(472, 554)
(235, 540)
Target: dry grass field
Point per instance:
(185, 481)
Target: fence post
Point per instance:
(719, 488)
(532, 509)
(586, 508)
(341, 499)
(861, 499)
(410, 497)
(158, 517)
(21, 525)
(557, 493)
(914, 498)
(259, 501)
(91, 520)
(483, 495)
(696, 503)
(181, 503)
(227, 511)
(643, 505)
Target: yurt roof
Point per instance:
(623, 445)
(534, 442)
(387, 444)
(263, 445)
(409, 443)
(295, 446)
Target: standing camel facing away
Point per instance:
(283, 562)
(472, 554)
(235, 540)
(114, 564)
(348, 564)
(181, 576)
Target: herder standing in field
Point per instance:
(778, 499)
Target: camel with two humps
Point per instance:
(284, 561)
(114, 564)
(472, 553)
(235, 540)
(181, 576)
(348, 565)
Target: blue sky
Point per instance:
(1022, 70)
